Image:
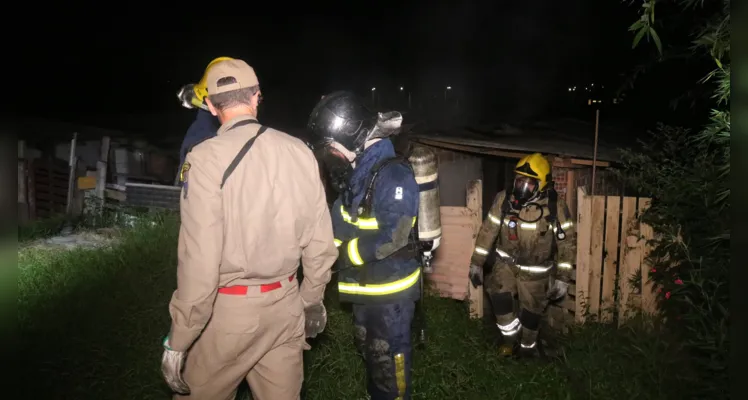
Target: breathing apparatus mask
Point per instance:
(525, 193)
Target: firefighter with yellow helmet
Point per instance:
(192, 96)
(535, 254)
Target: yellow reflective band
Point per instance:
(535, 268)
(383, 289)
(353, 252)
(481, 251)
(361, 223)
(565, 225)
(493, 219)
(400, 373)
(364, 223)
(564, 265)
(338, 242)
(522, 225)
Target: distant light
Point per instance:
(592, 84)
(373, 89)
(570, 89)
(589, 102)
(401, 88)
(449, 87)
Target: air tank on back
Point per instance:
(426, 169)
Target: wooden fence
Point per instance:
(612, 272)
(46, 188)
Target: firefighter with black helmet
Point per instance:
(535, 254)
(374, 226)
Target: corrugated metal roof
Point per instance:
(566, 138)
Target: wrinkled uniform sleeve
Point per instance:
(199, 251)
(320, 254)
(489, 230)
(395, 207)
(566, 256)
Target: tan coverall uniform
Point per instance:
(525, 260)
(237, 297)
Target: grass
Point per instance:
(91, 324)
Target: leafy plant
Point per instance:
(686, 174)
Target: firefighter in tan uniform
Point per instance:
(535, 254)
(252, 207)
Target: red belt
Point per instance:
(242, 290)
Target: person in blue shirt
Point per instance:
(192, 96)
(373, 222)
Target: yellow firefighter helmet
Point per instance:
(533, 175)
(535, 166)
(201, 89)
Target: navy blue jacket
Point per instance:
(395, 198)
(204, 127)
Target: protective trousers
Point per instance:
(504, 283)
(383, 337)
(258, 337)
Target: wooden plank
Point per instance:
(115, 194)
(584, 227)
(474, 204)
(596, 252)
(571, 193)
(101, 168)
(648, 298)
(598, 163)
(86, 182)
(610, 263)
(447, 212)
(445, 276)
(453, 256)
(629, 259)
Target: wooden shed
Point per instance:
(476, 165)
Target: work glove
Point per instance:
(186, 95)
(476, 275)
(557, 290)
(316, 320)
(172, 363)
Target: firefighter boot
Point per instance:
(508, 347)
(529, 344)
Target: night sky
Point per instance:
(502, 58)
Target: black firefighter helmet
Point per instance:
(342, 117)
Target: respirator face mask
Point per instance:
(336, 165)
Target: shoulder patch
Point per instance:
(183, 178)
(184, 171)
